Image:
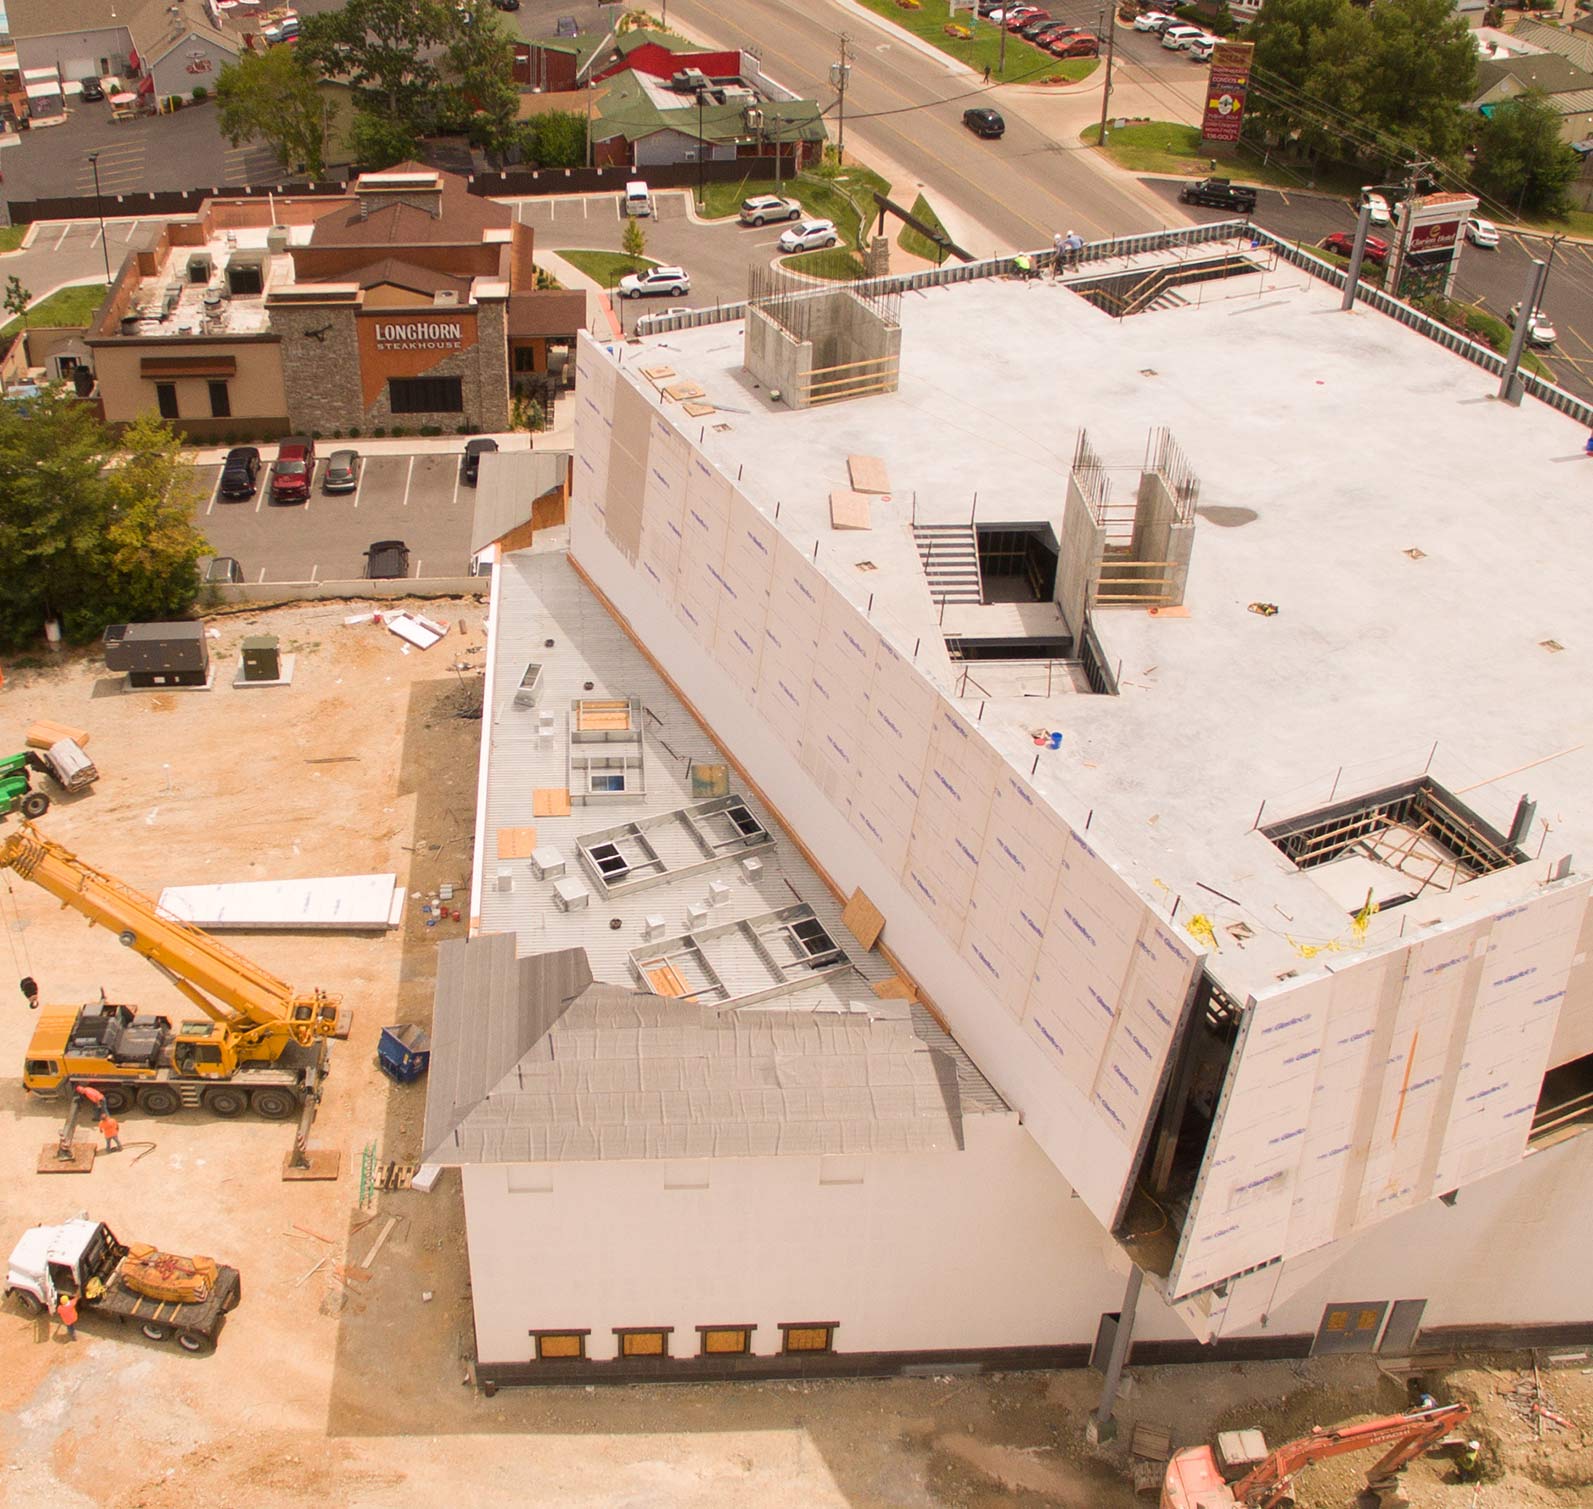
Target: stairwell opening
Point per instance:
(1017, 562)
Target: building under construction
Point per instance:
(1005, 811)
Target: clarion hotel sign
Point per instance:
(419, 335)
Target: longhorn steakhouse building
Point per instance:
(948, 869)
(409, 302)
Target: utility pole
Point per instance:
(1406, 219)
(1001, 57)
(702, 150)
(99, 206)
(840, 76)
(1106, 87)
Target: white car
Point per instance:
(1150, 20)
(1202, 48)
(1381, 214)
(1177, 38)
(1481, 232)
(809, 236)
(764, 207)
(1540, 332)
(671, 280)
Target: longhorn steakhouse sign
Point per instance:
(1226, 87)
(419, 335)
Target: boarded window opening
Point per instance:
(644, 1343)
(809, 1336)
(725, 1341)
(560, 1345)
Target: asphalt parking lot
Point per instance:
(419, 499)
(716, 254)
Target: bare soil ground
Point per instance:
(356, 1393)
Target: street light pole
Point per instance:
(702, 147)
(99, 207)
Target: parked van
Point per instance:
(638, 200)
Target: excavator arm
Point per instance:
(232, 991)
(1406, 1436)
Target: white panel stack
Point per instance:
(349, 903)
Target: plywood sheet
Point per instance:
(658, 374)
(681, 391)
(44, 734)
(868, 474)
(849, 510)
(666, 980)
(603, 715)
(516, 843)
(699, 410)
(895, 989)
(863, 920)
(551, 801)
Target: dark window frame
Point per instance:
(426, 395)
(829, 1327)
(538, 1338)
(220, 399)
(745, 1349)
(166, 400)
(622, 1333)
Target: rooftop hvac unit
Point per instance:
(277, 239)
(214, 294)
(169, 298)
(446, 296)
(689, 81)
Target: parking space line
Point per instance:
(264, 488)
(359, 482)
(215, 492)
(262, 573)
(417, 570)
(315, 571)
(409, 477)
(64, 234)
(457, 470)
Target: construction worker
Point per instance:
(66, 1313)
(94, 1097)
(1023, 266)
(1469, 1463)
(30, 991)
(111, 1131)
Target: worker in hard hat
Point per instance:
(1469, 1463)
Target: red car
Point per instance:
(1080, 45)
(292, 470)
(1343, 243)
(1021, 18)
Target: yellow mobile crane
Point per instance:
(261, 1047)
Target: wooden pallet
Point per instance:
(390, 1176)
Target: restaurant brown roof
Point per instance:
(463, 220)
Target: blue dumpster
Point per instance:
(403, 1052)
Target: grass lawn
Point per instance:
(66, 306)
(1168, 147)
(605, 267)
(844, 195)
(11, 237)
(834, 262)
(1024, 62)
(912, 242)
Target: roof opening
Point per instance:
(1393, 844)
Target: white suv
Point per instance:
(671, 280)
(809, 235)
(1177, 38)
(765, 207)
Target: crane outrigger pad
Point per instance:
(81, 1160)
(314, 1163)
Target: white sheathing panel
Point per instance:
(349, 903)
(960, 777)
(837, 710)
(744, 593)
(1573, 1031)
(893, 750)
(790, 643)
(704, 528)
(1363, 1093)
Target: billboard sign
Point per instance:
(1427, 243)
(1226, 86)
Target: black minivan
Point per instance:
(240, 473)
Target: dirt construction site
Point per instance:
(344, 1376)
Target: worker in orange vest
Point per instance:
(66, 1313)
(94, 1097)
(111, 1130)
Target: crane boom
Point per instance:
(230, 989)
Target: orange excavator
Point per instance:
(1194, 1480)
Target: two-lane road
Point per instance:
(908, 107)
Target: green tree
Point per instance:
(386, 50)
(1521, 160)
(633, 241)
(17, 299)
(556, 139)
(1363, 84)
(376, 141)
(92, 532)
(274, 96)
(479, 65)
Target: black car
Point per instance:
(386, 560)
(507, 4)
(92, 92)
(1033, 28)
(984, 122)
(474, 451)
(240, 472)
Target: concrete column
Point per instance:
(1102, 1426)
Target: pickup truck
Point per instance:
(83, 1258)
(292, 470)
(1220, 194)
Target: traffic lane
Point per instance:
(416, 499)
(910, 106)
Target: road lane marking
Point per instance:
(409, 477)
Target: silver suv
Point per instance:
(765, 207)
